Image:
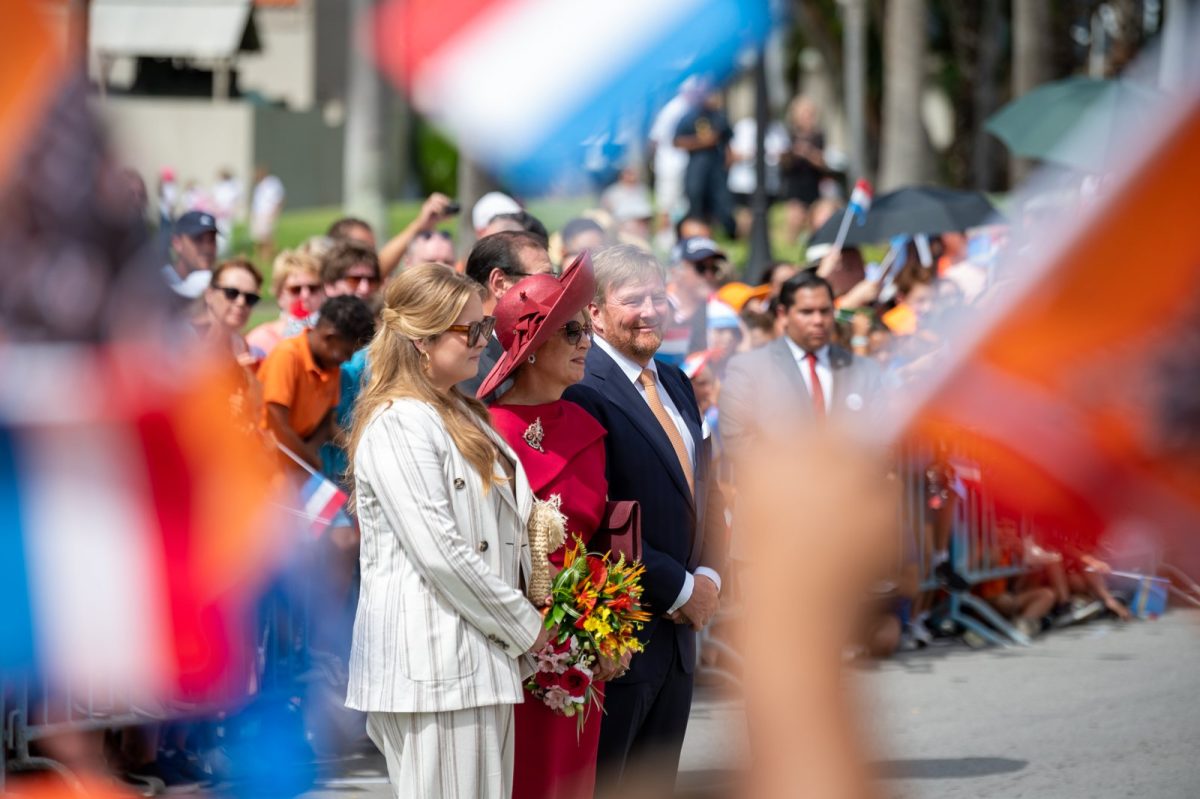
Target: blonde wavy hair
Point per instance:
(421, 304)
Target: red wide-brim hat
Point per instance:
(533, 310)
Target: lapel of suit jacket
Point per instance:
(633, 405)
(520, 499)
(840, 360)
(785, 362)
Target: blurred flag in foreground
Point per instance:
(131, 539)
(522, 84)
(132, 535)
(1079, 391)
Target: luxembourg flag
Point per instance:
(522, 85)
(860, 200)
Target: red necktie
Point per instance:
(818, 393)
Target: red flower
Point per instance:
(623, 602)
(547, 680)
(575, 682)
(597, 570)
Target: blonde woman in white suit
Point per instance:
(443, 506)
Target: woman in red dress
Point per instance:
(546, 335)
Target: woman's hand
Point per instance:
(544, 636)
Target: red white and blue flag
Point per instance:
(522, 85)
(860, 200)
(323, 501)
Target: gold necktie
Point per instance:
(646, 378)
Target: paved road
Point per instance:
(1103, 710)
(1099, 711)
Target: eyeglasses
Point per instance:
(311, 288)
(476, 330)
(232, 294)
(575, 330)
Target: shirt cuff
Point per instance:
(710, 574)
(685, 593)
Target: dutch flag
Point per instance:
(860, 200)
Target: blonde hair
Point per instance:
(620, 265)
(421, 304)
(288, 263)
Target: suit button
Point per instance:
(483, 546)
(459, 482)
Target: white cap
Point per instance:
(490, 206)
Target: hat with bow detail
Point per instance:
(533, 310)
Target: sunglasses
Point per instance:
(575, 330)
(476, 331)
(428, 234)
(311, 288)
(708, 267)
(232, 294)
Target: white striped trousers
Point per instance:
(457, 754)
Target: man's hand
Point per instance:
(433, 210)
(703, 604)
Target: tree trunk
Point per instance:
(362, 150)
(1031, 60)
(473, 183)
(904, 158)
(987, 156)
(854, 30)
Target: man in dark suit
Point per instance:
(797, 379)
(658, 456)
(497, 262)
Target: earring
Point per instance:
(533, 359)
(425, 361)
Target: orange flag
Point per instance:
(1076, 398)
(31, 64)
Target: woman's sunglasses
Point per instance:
(476, 330)
(575, 330)
(311, 288)
(232, 294)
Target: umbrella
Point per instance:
(917, 209)
(1042, 122)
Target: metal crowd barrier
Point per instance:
(944, 495)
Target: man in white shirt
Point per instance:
(194, 252)
(266, 203)
(656, 454)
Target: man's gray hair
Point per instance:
(622, 264)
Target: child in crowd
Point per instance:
(301, 377)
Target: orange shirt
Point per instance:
(901, 320)
(290, 377)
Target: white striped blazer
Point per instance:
(441, 623)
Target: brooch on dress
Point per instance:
(533, 434)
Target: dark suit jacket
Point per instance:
(763, 394)
(487, 359)
(680, 532)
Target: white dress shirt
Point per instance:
(633, 370)
(824, 369)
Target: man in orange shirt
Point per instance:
(301, 377)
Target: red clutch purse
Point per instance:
(620, 531)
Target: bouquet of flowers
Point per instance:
(597, 607)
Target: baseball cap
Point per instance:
(736, 294)
(193, 223)
(695, 249)
(490, 206)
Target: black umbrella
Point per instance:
(917, 209)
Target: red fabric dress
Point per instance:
(550, 762)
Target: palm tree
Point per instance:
(905, 153)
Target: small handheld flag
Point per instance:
(322, 499)
(860, 203)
